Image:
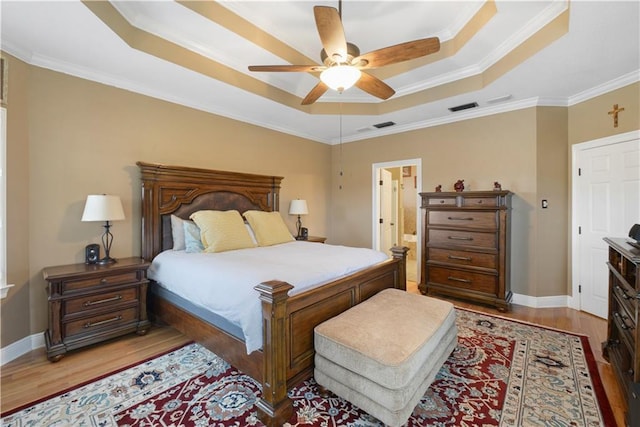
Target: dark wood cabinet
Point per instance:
(466, 246)
(621, 347)
(89, 303)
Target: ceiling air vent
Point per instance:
(463, 107)
(383, 125)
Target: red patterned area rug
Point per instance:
(502, 373)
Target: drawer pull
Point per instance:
(102, 301)
(622, 320)
(460, 258)
(460, 238)
(622, 293)
(459, 218)
(104, 281)
(102, 322)
(457, 279)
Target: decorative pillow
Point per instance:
(222, 230)
(268, 227)
(192, 241)
(177, 233)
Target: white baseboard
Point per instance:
(541, 302)
(20, 347)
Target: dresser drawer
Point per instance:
(101, 322)
(100, 301)
(484, 220)
(474, 259)
(626, 298)
(486, 283)
(462, 238)
(441, 201)
(480, 201)
(623, 322)
(122, 278)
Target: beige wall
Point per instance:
(71, 137)
(15, 309)
(68, 137)
(590, 120)
(480, 151)
(552, 185)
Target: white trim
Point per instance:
(21, 347)
(541, 302)
(574, 301)
(375, 202)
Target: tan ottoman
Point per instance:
(383, 354)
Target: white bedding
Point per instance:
(224, 282)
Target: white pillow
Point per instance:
(177, 232)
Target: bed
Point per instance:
(287, 353)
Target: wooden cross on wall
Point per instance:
(614, 113)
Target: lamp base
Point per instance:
(107, 260)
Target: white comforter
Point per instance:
(223, 282)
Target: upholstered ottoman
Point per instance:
(383, 354)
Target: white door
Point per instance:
(386, 212)
(608, 203)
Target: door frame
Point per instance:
(574, 301)
(375, 235)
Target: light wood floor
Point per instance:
(32, 376)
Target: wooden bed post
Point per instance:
(400, 252)
(275, 406)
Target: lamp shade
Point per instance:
(340, 77)
(102, 207)
(298, 207)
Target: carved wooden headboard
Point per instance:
(181, 191)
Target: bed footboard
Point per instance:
(288, 323)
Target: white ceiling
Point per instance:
(599, 52)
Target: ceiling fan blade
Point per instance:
(398, 53)
(331, 32)
(375, 86)
(315, 93)
(287, 68)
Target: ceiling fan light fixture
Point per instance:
(340, 77)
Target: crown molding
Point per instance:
(620, 82)
(110, 80)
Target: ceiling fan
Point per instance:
(344, 65)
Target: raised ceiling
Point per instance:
(503, 55)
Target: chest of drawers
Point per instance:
(621, 348)
(92, 303)
(466, 246)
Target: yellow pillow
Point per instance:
(222, 230)
(268, 227)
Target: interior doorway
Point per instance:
(396, 209)
(606, 203)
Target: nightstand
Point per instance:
(90, 303)
(316, 239)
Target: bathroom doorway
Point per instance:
(396, 210)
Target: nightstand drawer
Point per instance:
(103, 280)
(472, 259)
(100, 322)
(483, 220)
(99, 301)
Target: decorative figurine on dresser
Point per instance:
(90, 303)
(621, 347)
(466, 246)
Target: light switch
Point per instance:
(545, 204)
